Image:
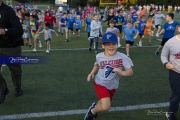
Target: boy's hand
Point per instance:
(116, 70)
(170, 66)
(90, 76)
(135, 37)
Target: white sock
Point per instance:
(118, 40)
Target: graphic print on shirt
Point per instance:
(177, 56)
(108, 66)
(170, 27)
(109, 73)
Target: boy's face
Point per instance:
(150, 19)
(129, 25)
(65, 15)
(111, 25)
(96, 18)
(143, 19)
(31, 18)
(110, 48)
(168, 18)
(120, 13)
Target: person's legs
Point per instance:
(174, 79)
(35, 41)
(127, 49)
(96, 44)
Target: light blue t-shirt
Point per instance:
(78, 24)
(130, 33)
(170, 29)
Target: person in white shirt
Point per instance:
(60, 9)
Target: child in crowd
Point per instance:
(47, 35)
(71, 22)
(148, 30)
(131, 34)
(78, 24)
(63, 23)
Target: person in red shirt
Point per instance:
(51, 19)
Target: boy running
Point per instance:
(158, 20)
(47, 35)
(78, 24)
(148, 30)
(71, 22)
(110, 65)
(131, 34)
(168, 30)
(141, 27)
(63, 23)
(35, 28)
(119, 20)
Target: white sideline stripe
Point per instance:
(88, 48)
(81, 111)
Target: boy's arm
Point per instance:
(137, 33)
(162, 31)
(39, 32)
(94, 70)
(127, 72)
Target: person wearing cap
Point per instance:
(170, 58)
(110, 65)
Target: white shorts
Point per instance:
(25, 35)
(64, 28)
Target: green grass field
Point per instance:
(61, 84)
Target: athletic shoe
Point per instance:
(140, 43)
(157, 35)
(61, 33)
(157, 53)
(90, 49)
(30, 46)
(152, 33)
(170, 116)
(137, 44)
(66, 40)
(34, 50)
(89, 115)
(73, 33)
(3, 95)
(47, 51)
(39, 43)
(3, 65)
(150, 43)
(96, 52)
(18, 92)
(49, 47)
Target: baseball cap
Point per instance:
(109, 37)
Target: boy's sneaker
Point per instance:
(140, 43)
(137, 44)
(157, 53)
(157, 35)
(30, 46)
(34, 50)
(73, 33)
(39, 43)
(170, 116)
(47, 51)
(150, 43)
(66, 40)
(90, 49)
(96, 52)
(61, 33)
(89, 115)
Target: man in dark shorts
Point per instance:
(168, 30)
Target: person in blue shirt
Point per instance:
(119, 20)
(88, 24)
(78, 24)
(141, 28)
(63, 23)
(168, 31)
(131, 34)
(71, 22)
(79, 12)
(134, 18)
